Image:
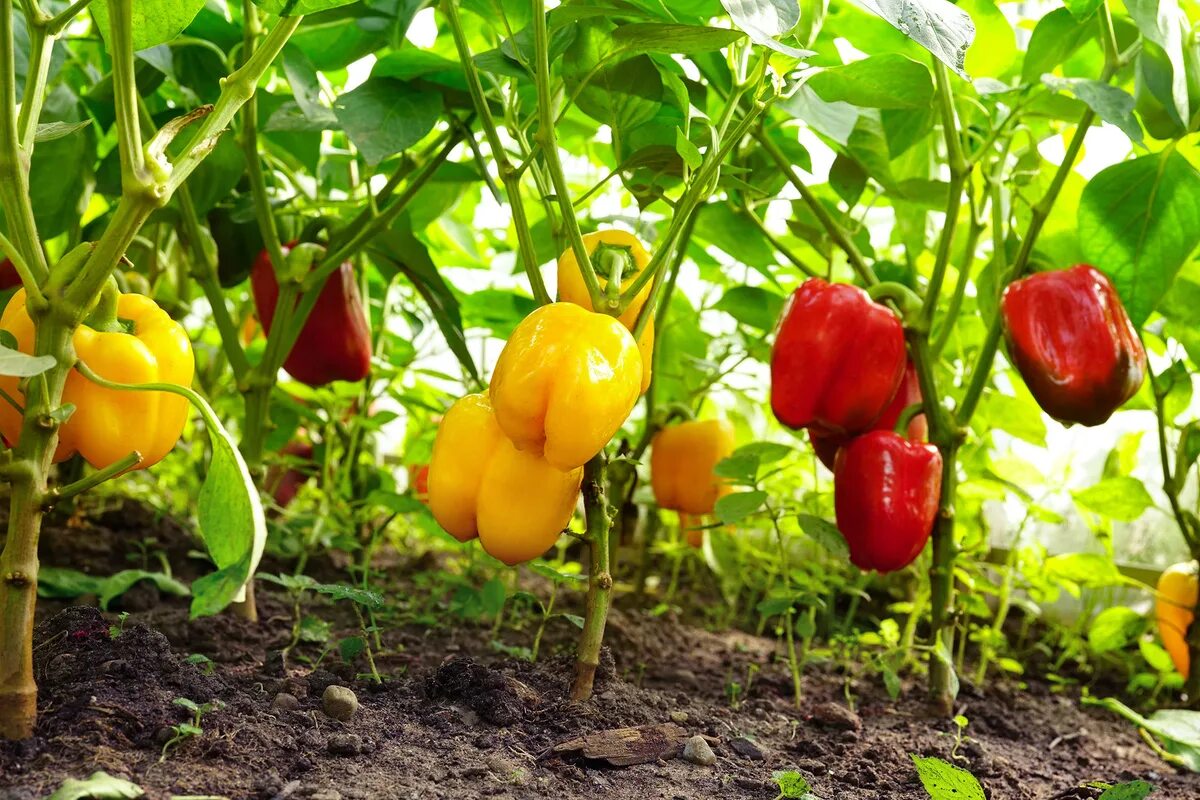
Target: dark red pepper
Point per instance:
(1071, 340)
(885, 492)
(8, 275)
(837, 361)
(335, 343)
(827, 445)
(285, 483)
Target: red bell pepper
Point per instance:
(284, 484)
(1071, 340)
(8, 275)
(838, 359)
(827, 445)
(885, 492)
(335, 343)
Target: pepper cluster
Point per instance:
(839, 369)
(507, 464)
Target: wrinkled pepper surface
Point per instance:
(827, 445)
(572, 289)
(1174, 608)
(108, 424)
(1071, 340)
(480, 485)
(837, 361)
(335, 343)
(682, 459)
(885, 492)
(565, 383)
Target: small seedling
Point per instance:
(186, 730)
(202, 661)
(116, 630)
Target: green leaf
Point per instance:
(1111, 104)
(792, 785)
(1179, 730)
(737, 506)
(943, 29)
(155, 22)
(1134, 790)
(1139, 221)
(995, 46)
(1122, 498)
(351, 648)
(22, 365)
(1085, 569)
(945, 781)
(884, 81)
(49, 131)
(385, 116)
(653, 37)
(493, 595)
(306, 88)
(1165, 27)
(64, 583)
(98, 786)
(752, 305)
(294, 8)
(338, 591)
(231, 520)
(763, 20)
(824, 533)
(1057, 36)
(1156, 656)
(1114, 628)
(1082, 9)
(116, 585)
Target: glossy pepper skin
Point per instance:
(482, 486)
(335, 343)
(885, 492)
(682, 459)
(1174, 606)
(572, 289)
(565, 382)
(1071, 340)
(108, 424)
(827, 445)
(837, 361)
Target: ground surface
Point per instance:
(456, 720)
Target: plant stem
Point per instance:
(786, 570)
(836, 232)
(959, 173)
(600, 582)
(14, 162)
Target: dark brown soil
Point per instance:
(455, 720)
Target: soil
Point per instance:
(456, 719)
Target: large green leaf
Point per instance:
(295, 8)
(1139, 221)
(1123, 498)
(942, 28)
(385, 116)
(155, 22)
(886, 81)
(944, 781)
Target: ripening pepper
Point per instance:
(108, 424)
(335, 343)
(1174, 608)
(1071, 340)
(885, 492)
(565, 382)
(827, 445)
(692, 526)
(682, 459)
(284, 482)
(481, 485)
(837, 361)
(9, 277)
(418, 481)
(572, 289)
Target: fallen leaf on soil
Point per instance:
(624, 747)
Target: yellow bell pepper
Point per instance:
(572, 289)
(565, 383)
(1176, 599)
(482, 486)
(682, 459)
(108, 424)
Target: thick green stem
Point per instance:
(27, 474)
(41, 47)
(600, 581)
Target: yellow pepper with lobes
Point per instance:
(682, 460)
(565, 383)
(572, 289)
(108, 424)
(1174, 608)
(480, 485)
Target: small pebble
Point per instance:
(835, 715)
(697, 751)
(679, 717)
(339, 702)
(812, 767)
(506, 770)
(746, 749)
(285, 702)
(345, 744)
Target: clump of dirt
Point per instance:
(496, 697)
